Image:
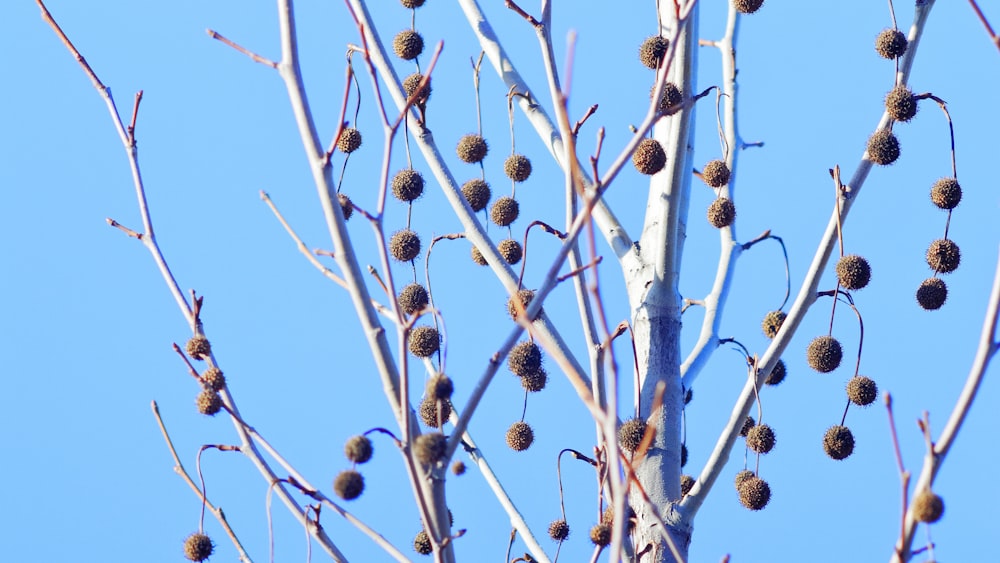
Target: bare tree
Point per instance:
(639, 447)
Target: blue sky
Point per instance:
(87, 340)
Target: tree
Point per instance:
(661, 343)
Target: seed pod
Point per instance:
(670, 99)
(413, 298)
(883, 147)
(429, 412)
(715, 173)
(932, 293)
(754, 493)
(943, 256)
(440, 387)
(862, 390)
(412, 3)
(524, 296)
(747, 6)
(358, 449)
(410, 84)
(838, 442)
(349, 484)
(517, 167)
(198, 547)
(209, 402)
(458, 468)
(772, 323)
(478, 257)
(408, 44)
(777, 374)
(407, 185)
(853, 272)
(346, 207)
(477, 193)
(213, 379)
(504, 211)
(742, 476)
(424, 341)
(824, 354)
(559, 530)
(349, 140)
(687, 483)
(430, 447)
(761, 439)
(900, 103)
(927, 507)
(422, 543)
(946, 193)
(404, 245)
(524, 358)
(649, 157)
(511, 250)
(652, 51)
(631, 433)
(891, 44)
(472, 148)
(721, 213)
(198, 347)
(520, 436)
(600, 535)
(535, 381)
(747, 425)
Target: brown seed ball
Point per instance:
(517, 167)
(631, 433)
(407, 185)
(440, 387)
(721, 213)
(772, 323)
(472, 148)
(747, 6)
(430, 447)
(404, 245)
(559, 530)
(754, 493)
(943, 256)
(408, 44)
(213, 379)
(504, 211)
(688, 396)
(458, 468)
(777, 374)
(424, 341)
(687, 483)
(932, 293)
(422, 543)
(524, 296)
(431, 415)
(358, 449)
(927, 507)
(862, 390)
(883, 147)
(349, 484)
(742, 476)
(600, 535)
(413, 298)
(652, 51)
(412, 3)
(477, 193)
(346, 207)
(824, 354)
(198, 347)
(761, 438)
(511, 250)
(410, 84)
(838, 442)
(670, 99)
(946, 193)
(715, 173)
(478, 257)
(901, 103)
(524, 358)
(891, 44)
(747, 425)
(349, 141)
(608, 516)
(649, 157)
(853, 272)
(535, 381)
(209, 402)
(520, 436)
(198, 547)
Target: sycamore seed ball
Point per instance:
(715, 174)
(346, 207)
(458, 468)
(472, 148)
(883, 147)
(891, 44)
(198, 547)
(209, 402)
(631, 433)
(687, 483)
(412, 3)
(649, 157)
(838, 442)
(927, 507)
(670, 99)
(349, 484)
(432, 415)
(511, 250)
(408, 44)
(932, 293)
(404, 245)
(772, 323)
(535, 381)
(477, 193)
(413, 298)
(358, 449)
(946, 193)
(943, 256)
(478, 257)
(747, 6)
(721, 213)
(213, 379)
(517, 167)
(410, 84)
(777, 374)
(424, 341)
(524, 296)
(524, 358)
(747, 425)
(422, 543)
(853, 272)
(559, 530)
(761, 438)
(862, 390)
(901, 103)
(824, 354)
(652, 51)
(407, 185)
(742, 476)
(430, 447)
(440, 387)
(520, 436)
(349, 141)
(198, 347)
(504, 211)
(600, 535)
(754, 493)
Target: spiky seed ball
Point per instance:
(213, 379)
(742, 476)
(670, 99)
(422, 543)
(631, 433)
(747, 6)
(649, 157)
(772, 323)
(883, 147)
(358, 449)
(408, 44)
(535, 381)
(838, 442)
(524, 296)
(429, 412)
(404, 245)
(517, 167)
(824, 354)
(777, 374)
(524, 358)
(349, 484)
(754, 493)
(932, 293)
(862, 390)
(853, 272)
(430, 447)
(684, 454)
(458, 468)
(559, 530)
(608, 516)
(413, 298)
(346, 207)
(600, 535)
(478, 257)
(946, 193)
(472, 148)
(407, 185)
(477, 193)
(511, 250)
(760, 438)
(504, 211)
(198, 547)
(410, 84)
(412, 3)
(520, 436)
(198, 347)
(209, 402)
(424, 341)
(715, 173)
(927, 507)
(721, 213)
(747, 425)
(901, 103)
(688, 396)
(943, 256)
(687, 483)
(349, 141)
(440, 387)
(891, 44)
(652, 51)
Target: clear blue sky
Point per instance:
(88, 323)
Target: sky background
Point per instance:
(89, 325)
